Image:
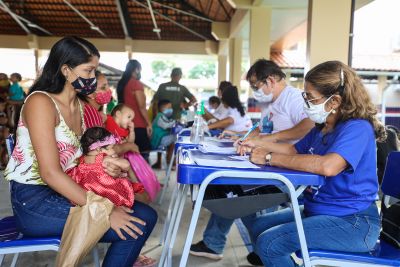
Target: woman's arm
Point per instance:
(40, 117)
(131, 136)
(120, 149)
(296, 132)
(208, 116)
(251, 143)
(221, 123)
(141, 100)
(120, 162)
(327, 165)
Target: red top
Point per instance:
(92, 177)
(130, 100)
(114, 128)
(92, 117)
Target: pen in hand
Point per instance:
(249, 132)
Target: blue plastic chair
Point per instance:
(384, 254)
(11, 242)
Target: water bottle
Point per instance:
(197, 131)
(183, 119)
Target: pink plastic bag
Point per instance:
(144, 173)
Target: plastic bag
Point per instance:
(83, 229)
(144, 173)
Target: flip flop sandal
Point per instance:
(144, 261)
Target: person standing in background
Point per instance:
(174, 92)
(130, 91)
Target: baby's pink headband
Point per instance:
(109, 140)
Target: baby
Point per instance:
(120, 123)
(91, 176)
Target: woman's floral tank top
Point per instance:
(23, 166)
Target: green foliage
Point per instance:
(203, 70)
(161, 68)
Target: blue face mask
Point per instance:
(85, 86)
(168, 112)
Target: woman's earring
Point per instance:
(333, 111)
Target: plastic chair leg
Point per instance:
(166, 179)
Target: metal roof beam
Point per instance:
(92, 26)
(174, 22)
(122, 17)
(14, 16)
(223, 7)
(183, 12)
(28, 22)
(156, 29)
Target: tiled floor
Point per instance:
(234, 255)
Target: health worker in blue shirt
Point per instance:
(340, 215)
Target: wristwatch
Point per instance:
(268, 159)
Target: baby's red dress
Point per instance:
(92, 177)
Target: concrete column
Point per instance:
(235, 61)
(222, 68)
(260, 28)
(36, 55)
(382, 84)
(328, 31)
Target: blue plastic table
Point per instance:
(183, 141)
(190, 173)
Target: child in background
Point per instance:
(4, 132)
(162, 125)
(15, 100)
(4, 85)
(213, 104)
(16, 91)
(90, 173)
(120, 123)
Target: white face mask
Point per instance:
(317, 113)
(261, 97)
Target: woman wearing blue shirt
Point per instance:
(340, 215)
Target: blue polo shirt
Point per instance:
(355, 188)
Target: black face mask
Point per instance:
(85, 86)
(138, 76)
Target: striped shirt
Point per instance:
(92, 117)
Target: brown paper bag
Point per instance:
(83, 229)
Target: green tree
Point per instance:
(161, 69)
(205, 69)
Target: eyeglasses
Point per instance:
(308, 101)
(254, 85)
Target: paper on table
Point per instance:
(223, 140)
(209, 148)
(246, 157)
(226, 163)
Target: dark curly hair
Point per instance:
(91, 136)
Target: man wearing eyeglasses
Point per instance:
(282, 120)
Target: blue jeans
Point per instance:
(218, 228)
(40, 211)
(277, 236)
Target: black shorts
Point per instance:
(142, 139)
